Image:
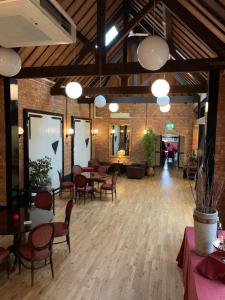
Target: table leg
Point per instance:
(19, 239)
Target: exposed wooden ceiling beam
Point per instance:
(101, 57)
(196, 26)
(135, 90)
(191, 65)
(133, 23)
(89, 45)
(124, 79)
(142, 99)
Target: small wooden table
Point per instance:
(95, 176)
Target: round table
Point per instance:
(36, 215)
(9, 226)
(94, 175)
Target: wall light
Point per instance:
(94, 131)
(69, 132)
(20, 131)
(13, 89)
(113, 131)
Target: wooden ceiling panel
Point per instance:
(205, 18)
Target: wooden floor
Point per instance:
(121, 250)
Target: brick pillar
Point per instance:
(220, 144)
(3, 198)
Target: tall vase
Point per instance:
(205, 228)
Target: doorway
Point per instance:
(172, 150)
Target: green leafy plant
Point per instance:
(149, 140)
(38, 171)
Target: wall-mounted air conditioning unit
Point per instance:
(34, 23)
(120, 115)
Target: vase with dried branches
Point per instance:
(207, 195)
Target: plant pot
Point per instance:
(150, 171)
(205, 228)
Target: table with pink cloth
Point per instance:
(196, 286)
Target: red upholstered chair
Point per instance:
(82, 187)
(4, 258)
(38, 247)
(65, 185)
(44, 200)
(62, 228)
(76, 170)
(109, 187)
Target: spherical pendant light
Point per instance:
(160, 88)
(165, 108)
(10, 62)
(113, 107)
(100, 101)
(74, 90)
(153, 52)
(163, 101)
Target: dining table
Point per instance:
(19, 221)
(197, 286)
(95, 176)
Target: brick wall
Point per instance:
(35, 94)
(180, 114)
(220, 143)
(3, 199)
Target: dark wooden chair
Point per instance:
(44, 200)
(62, 228)
(109, 187)
(4, 258)
(82, 187)
(38, 248)
(103, 171)
(65, 185)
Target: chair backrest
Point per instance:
(76, 170)
(60, 178)
(68, 211)
(114, 178)
(41, 237)
(102, 169)
(80, 181)
(44, 200)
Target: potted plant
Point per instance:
(149, 140)
(205, 215)
(38, 173)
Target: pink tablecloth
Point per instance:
(196, 287)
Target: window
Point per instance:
(110, 35)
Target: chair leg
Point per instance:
(52, 269)
(100, 194)
(19, 263)
(115, 194)
(112, 195)
(7, 266)
(32, 273)
(68, 241)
